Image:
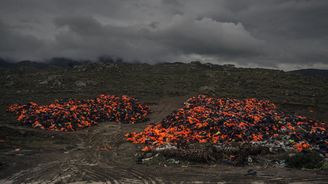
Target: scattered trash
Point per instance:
(70, 115)
(225, 121)
(249, 159)
(147, 159)
(280, 163)
(172, 161)
(148, 156)
(142, 158)
(239, 154)
(80, 84)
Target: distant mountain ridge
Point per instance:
(54, 62)
(6, 64)
(311, 72)
(59, 62)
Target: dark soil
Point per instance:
(101, 154)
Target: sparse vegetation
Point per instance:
(164, 87)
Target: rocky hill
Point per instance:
(64, 78)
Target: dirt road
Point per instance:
(101, 154)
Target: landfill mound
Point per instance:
(224, 121)
(71, 115)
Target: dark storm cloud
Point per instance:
(12, 42)
(155, 43)
(273, 33)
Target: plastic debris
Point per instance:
(203, 119)
(70, 115)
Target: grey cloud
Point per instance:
(210, 37)
(81, 25)
(271, 33)
(291, 19)
(14, 43)
(182, 35)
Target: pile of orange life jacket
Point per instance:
(203, 119)
(70, 115)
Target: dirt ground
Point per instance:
(101, 155)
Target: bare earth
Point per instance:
(101, 154)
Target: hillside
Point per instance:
(66, 79)
(101, 153)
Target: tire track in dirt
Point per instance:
(164, 107)
(101, 154)
(86, 162)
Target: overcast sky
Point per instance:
(283, 34)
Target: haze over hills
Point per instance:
(69, 63)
